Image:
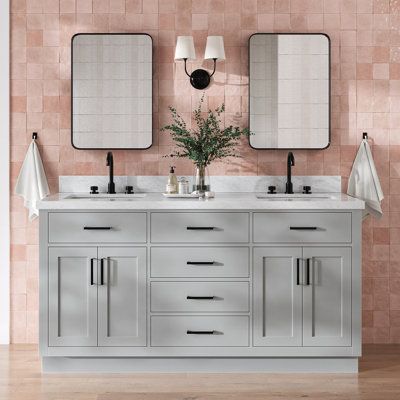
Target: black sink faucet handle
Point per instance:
(129, 189)
(94, 190)
(307, 189)
(272, 189)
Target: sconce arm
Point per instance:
(215, 66)
(185, 59)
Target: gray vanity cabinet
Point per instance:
(122, 297)
(97, 296)
(193, 290)
(302, 296)
(72, 296)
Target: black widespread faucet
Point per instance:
(110, 163)
(290, 164)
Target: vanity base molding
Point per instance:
(203, 365)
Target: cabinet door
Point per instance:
(122, 296)
(327, 297)
(73, 296)
(277, 296)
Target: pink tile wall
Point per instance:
(365, 96)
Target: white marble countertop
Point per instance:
(222, 201)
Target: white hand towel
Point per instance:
(364, 182)
(32, 183)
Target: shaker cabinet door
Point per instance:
(327, 296)
(277, 296)
(72, 296)
(122, 296)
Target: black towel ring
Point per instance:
(365, 135)
(34, 135)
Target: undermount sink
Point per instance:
(105, 197)
(293, 197)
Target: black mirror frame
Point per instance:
(329, 91)
(72, 91)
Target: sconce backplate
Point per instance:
(200, 79)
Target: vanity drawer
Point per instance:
(199, 331)
(93, 227)
(199, 262)
(306, 227)
(199, 296)
(199, 227)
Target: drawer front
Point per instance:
(302, 227)
(92, 227)
(199, 262)
(199, 296)
(199, 331)
(200, 227)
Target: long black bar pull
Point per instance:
(102, 271)
(298, 272)
(91, 271)
(200, 262)
(97, 228)
(200, 332)
(308, 271)
(200, 228)
(200, 297)
(303, 228)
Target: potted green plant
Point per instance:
(207, 142)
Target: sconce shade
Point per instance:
(185, 48)
(215, 48)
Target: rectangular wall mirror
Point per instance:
(111, 91)
(289, 91)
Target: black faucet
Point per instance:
(110, 163)
(290, 164)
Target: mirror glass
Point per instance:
(111, 91)
(289, 91)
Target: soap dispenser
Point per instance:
(172, 184)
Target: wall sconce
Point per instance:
(200, 78)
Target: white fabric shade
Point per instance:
(215, 48)
(185, 48)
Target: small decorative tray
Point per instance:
(181, 196)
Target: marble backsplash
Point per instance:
(219, 184)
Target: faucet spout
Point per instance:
(110, 164)
(290, 164)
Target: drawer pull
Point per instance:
(200, 228)
(303, 228)
(97, 228)
(200, 262)
(200, 332)
(200, 297)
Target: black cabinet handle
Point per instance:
(97, 228)
(91, 271)
(102, 271)
(200, 228)
(308, 272)
(200, 332)
(200, 262)
(298, 272)
(200, 297)
(303, 228)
